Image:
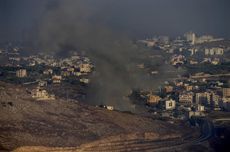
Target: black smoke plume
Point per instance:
(75, 24)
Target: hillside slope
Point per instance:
(27, 122)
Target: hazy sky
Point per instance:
(20, 19)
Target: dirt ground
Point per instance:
(60, 123)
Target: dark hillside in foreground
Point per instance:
(27, 122)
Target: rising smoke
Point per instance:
(74, 24)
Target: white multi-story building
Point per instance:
(214, 51)
(190, 37)
(170, 104)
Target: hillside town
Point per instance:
(42, 73)
(203, 88)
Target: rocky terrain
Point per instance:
(28, 125)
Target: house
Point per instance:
(21, 73)
(40, 94)
(56, 79)
(214, 51)
(200, 108)
(153, 99)
(83, 80)
(48, 72)
(110, 108)
(168, 89)
(170, 104)
(188, 87)
(42, 83)
(85, 68)
(186, 99)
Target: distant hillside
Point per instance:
(27, 122)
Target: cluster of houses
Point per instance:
(178, 60)
(195, 97)
(190, 48)
(53, 71)
(195, 94)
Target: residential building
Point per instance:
(186, 99)
(21, 73)
(170, 104)
(226, 92)
(153, 99)
(42, 83)
(204, 38)
(190, 37)
(85, 68)
(188, 87)
(40, 94)
(200, 108)
(214, 51)
(168, 89)
(48, 72)
(111, 108)
(83, 80)
(56, 79)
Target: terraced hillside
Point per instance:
(62, 125)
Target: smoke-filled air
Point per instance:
(73, 25)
